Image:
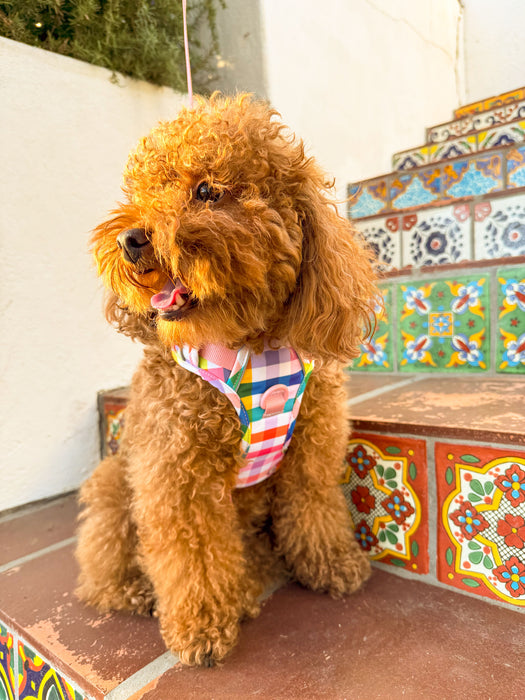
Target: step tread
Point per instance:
(484, 409)
(302, 642)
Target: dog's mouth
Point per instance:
(174, 302)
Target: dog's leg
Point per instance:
(191, 543)
(110, 576)
(310, 515)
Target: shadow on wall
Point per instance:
(241, 65)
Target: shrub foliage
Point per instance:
(139, 38)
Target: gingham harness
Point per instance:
(266, 391)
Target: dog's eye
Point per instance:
(207, 193)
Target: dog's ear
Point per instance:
(331, 309)
(131, 324)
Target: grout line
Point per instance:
(382, 390)
(140, 679)
(35, 555)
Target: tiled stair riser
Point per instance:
(491, 102)
(25, 675)
(481, 229)
(478, 121)
(495, 171)
(468, 321)
(475, 528)
(505, 135)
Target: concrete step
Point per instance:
(429, 641)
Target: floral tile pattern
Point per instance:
(473, 176)
(437, 236)
(499, 227)
(383, 235)
(501, 136)
(377, 353)
(413, 189)
(37, 680)
(453, 149)
(483, 105)
(516, 167)
(444, 325)
(113, 424)
(368, 198)
(7, 664)
(510, 348)
(385, 485)
(481, 523)
(476, 122)
(413, 158)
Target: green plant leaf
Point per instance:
(380, 470)
(488, 563)
(471, 459)
(473, 498)
(392, 484)
(489, 487)
(449, 556)
(476, 486)
(393, 527)
(397, 562)
(382, 536)
(414, 548)
(473, 545)
(449, 476)
(475, 557)
(470, 582)
(392, 450)
(412, 470)
(390, 473)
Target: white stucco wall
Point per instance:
(494, 47)
(65, 131)
(357, 79)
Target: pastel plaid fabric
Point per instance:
(266, 391)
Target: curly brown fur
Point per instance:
(264, 257)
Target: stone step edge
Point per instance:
(506, 97)
(520, 109)
(436, 204)
(441, 144)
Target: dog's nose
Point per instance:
(133, 242)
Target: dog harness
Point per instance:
(265, 390)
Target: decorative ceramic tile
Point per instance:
(368, 198)
(516, 167)
(499, 227)
(415, 189)
(385, 485)
(113, 422)
(490, 103)
(414, 158)
(437, 236)
(377, 353)
(452, 149)
(504, 135)
(7, 664)
(383, 235)
(37, 679)
(510, 349)
(472, 176)
(476, 122)
(481, 522)
(444, 325)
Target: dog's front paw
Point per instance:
(199, 642)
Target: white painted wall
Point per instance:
(65, 132)
(494, 47)
(357, 79)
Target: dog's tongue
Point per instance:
(168, 296)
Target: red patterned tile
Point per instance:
(385, 485)
(481, 520)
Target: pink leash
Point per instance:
(187, 54)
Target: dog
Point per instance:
(228, 259)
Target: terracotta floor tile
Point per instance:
(28, 532)
(96, 651)
(395, 639)
(361, 383)
(463, 407)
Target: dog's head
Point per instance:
(228, 236)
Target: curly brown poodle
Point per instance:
(228, 239)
